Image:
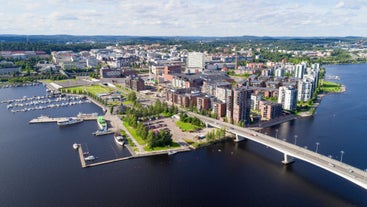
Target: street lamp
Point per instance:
(341, 156)
(317, 146)
(295, 139)
(276, 134)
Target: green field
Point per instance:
(94, 89)
(186, 127)
(173, 145)
(133, 133)
(330, 87)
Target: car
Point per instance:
(350, 170)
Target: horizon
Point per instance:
(170, 18)
(167, 36)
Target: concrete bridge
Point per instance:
(290, 151)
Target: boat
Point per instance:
(70, 121)
(75, 146)
(89, 158)
(171, 152)
(119, 139)
(102, 124)
(102, 132)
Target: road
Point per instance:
(341, 169)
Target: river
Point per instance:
(40, 168)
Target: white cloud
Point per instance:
(184, 17)
(339, 5)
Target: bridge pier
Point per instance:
(206, 125)
(238, 138)
(287, 159)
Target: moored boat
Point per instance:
(89, 158)
(102, 124)
(119, 139)
(171, 152)
(71, 120)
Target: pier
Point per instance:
(47, 119)
(81, 156)
(133, 155)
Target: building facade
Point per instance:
(288, 98)
(241, 105)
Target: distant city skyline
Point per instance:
(185, 18)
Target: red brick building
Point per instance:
(169, 70)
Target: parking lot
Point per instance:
(178, 135)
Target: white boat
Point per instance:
(102, 132)
(119, 140)
(75, 146)
(89, 158)
(171, 152)
(71, 120)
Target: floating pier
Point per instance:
(81, 156)
(47, 119)
(134, 155)
(108, 161)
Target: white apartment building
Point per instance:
(299, 71)
(279, 72)
(288, 98)
(195, 60)
(305, 89)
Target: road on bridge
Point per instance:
(341, 169)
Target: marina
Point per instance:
(25, 104)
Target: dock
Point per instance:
(108, 161)
(47, 119)
(81, 156)
(134, 155)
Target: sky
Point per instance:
(185, 17)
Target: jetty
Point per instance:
(47, 119)
(134, 155)
(81, 156)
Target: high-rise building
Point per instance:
(288, 98)
(241, 105)
(299, 71)
(279, 72)
(270, 110)
(195, 60)
(305, 89)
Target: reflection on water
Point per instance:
(40, 168)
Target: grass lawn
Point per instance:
(133, 133)
(131, 143)
(173, 145)
(330, 87)
(166, 114)
(186, 127)
(95, 89)
(127, 102)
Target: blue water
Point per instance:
(38, 166)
